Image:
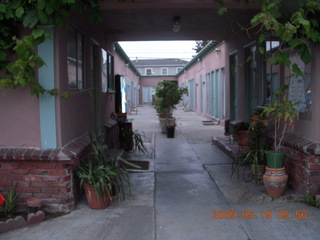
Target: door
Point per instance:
(96, 82)
(233, 59)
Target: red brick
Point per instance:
(62, 166)
(50, 190)
(10, 165)
(39, 184)
(6, 183)
(25, 195)
(38, 172)
(46, 166)
(31, 190)
(14, 177)
(61, 196)
(65, 190)
(28, 165)
(314, 166)
(57, 172)
(58, 184)
(21, 171)
(23, 184)
(50, 179)
(32, 178)
(43, 195)
(65, 179)
(5, 171)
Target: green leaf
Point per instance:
(65, 95)
(222, 10)
(19, 12)
(3, 55)
(296, 70)
(30, 20)
(305, 54)
(3, 8)
(37, 33)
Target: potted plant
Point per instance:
(284, 113)
(259, 116)
(242, 134)
(102, 175)
(171, 126)
(132, 140)
(168, 94)
(255, 156)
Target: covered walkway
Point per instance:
(187, 185)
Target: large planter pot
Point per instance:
(275, 159)
(275, 181)
(95, 202)
(243, 138)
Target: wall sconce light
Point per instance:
(217, 50)
(176, 24)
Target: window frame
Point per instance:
(164, 68)
(146, 71)
(79, 61)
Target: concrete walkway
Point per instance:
(187, 185)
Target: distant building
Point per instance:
(159, 67)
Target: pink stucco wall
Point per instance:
(214, 60)
(19, 121)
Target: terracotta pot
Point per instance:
(260, 171)
(275, 181)
(256, 118)
(95, 202)
(243, 138)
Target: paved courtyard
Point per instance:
(186, 194)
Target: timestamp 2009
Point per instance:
(248, 214)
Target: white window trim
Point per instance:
(166, 69)
(146, 70)
(177, 69)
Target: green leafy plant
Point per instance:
(103, 171)
(311, 199)
(283, 111)
(20, 33)
(10, 204)
(255, 156)
(168, 94)
(134, 138)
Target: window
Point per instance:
(75, 59)
(164, 71)
(148, 71)
(179, 69)
(107, 72)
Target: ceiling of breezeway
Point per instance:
(153, 19)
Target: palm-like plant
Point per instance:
(103, 171)
(283, 111)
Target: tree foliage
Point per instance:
(200, 45)
(18, 57)
(294, 23)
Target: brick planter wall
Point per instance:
(302, 164)
(45, 174)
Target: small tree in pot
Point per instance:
(168, 94)
(284, 113)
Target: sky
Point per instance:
(159, 49)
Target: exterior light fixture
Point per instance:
(176, 24)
